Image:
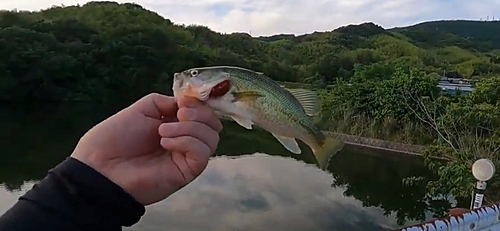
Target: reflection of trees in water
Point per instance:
(236, 140)
(378, 181)
(35, 140)
(374, 180)
(12, 186)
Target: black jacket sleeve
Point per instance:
(73, 196)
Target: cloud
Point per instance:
(262, 192)
(264, 17)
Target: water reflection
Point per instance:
(238, 191)
(32, 141)
(261, 192)
(376, 180)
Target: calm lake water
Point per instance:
(252, 183)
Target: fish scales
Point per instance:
(281, 106)
(251, 98)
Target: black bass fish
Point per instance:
(251, 98)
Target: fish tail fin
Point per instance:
(323, 153)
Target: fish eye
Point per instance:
(194, 73)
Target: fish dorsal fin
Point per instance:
(308, 99)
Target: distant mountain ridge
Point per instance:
(482, 35)
(457, 32)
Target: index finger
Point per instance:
(156, 106)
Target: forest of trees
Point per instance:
(384, 81)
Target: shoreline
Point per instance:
(377, 144)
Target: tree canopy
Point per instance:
(105, 51)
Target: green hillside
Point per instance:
(482, 35)
(107, 51)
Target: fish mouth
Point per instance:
(177, 86)
(193, 87)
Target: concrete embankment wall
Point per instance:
(377, 144)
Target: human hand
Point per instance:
(154, 147)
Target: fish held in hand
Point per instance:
(251, 98)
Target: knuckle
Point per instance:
(151, 95)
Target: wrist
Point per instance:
(85, 197)
(95, 162)
(108, 169)
(110, 195)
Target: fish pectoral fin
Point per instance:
(289, 143)
(246, 96)
(308, 99)
(246, 123)
(222, 115)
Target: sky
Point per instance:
(268, 17)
